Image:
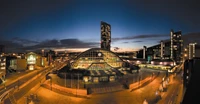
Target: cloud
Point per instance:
(25, 42)
(137, 41)
(78, 43)
(141, 37)
(64, 43)
(125, 42)
(10, 46)
(49, 43)
(18, 44)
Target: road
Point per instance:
(137, 96)
(37, 77)
(121, 97)
(173, 95)
(127, 97)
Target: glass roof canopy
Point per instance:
(97, 59)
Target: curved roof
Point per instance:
(104, 58)
(95, 49)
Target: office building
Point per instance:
(176, 46)
(193, 50)
(2, 67)
(159, 51)
(18, 64)
(105, 35)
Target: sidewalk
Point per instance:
(44, 94)
(142, 83)
(169, 96)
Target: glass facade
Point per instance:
(97, 59)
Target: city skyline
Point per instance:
(76, 25)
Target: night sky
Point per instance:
(67, 24)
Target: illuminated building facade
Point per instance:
(176, 46)
(96, 59)
(159, 51)
(193, 50)
(105, 35)
(31, 60)
(18, 64)
(2, 67)
(101, 63)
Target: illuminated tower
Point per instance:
(161, 49)
(144, 52)
(105, 35)
(192, 50)
(176, 45)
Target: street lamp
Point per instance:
(185, 55)
(185, 49)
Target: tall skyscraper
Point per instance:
(105, 35)
(161, 49)
(176, 46)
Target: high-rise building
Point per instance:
(2, 67)
(159, 51)
(176, 46)
(193, 50)
(105, 35)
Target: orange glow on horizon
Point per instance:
(84, 49)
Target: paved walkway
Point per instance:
(46, 96)
(174, 92)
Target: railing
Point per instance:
(5, 94)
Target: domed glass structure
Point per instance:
(97, 59)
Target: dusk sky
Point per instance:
(28, 24)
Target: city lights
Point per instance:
(116, 52)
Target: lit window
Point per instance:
(3, 68)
